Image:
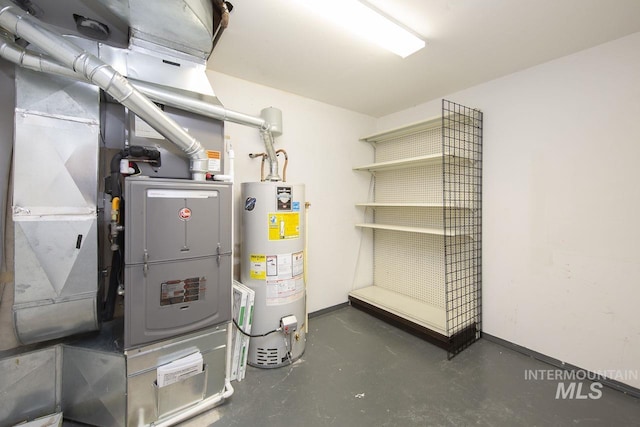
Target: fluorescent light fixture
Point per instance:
(367, 23)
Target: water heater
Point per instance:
(273, 266)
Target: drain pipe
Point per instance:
(21, 24)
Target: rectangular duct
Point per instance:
(57, 135)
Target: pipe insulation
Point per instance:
(21, 24)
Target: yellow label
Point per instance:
(258, 268)
(214, 162)
(284, 225)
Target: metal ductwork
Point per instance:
(125, 81)
(269, 123)
(187, 26)
(104, 76)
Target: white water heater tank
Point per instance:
(272, 264)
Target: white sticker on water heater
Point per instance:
(280, 292)
(284, 281)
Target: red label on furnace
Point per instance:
(184, 214)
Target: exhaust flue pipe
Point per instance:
(21, 24)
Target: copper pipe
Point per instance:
(264, 158)
(286, 162)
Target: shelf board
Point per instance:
(418, 312)
(400, 164)
(419, 230)
(408, 205)
(432, 123)
(409, 162)
(413, 128)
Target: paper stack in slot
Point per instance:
(179, 369)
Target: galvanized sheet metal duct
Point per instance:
(183, 25)
(55, 170)
(103, 75)
(268, 123)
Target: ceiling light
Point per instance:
(368, 23)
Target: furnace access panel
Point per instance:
(177, 257)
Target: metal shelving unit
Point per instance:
(425, 217)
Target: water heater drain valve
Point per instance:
(289, 324)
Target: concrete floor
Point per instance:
(360, 371)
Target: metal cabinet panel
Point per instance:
(55, 166)
(174, 298)
(94, 386)
(145, 401)
(177, 257)
(55, 258)
(30, 385)
(174, 219)
(55, 277)
(54, 96)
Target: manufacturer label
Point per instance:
(181, 291)
(283, 198)
(184, 214)
(250, 203)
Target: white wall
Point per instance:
(561, 203)
(322, 144)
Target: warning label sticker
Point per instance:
(258, 267)
(280, 292)
(181, 291)
(284, 280)
(214, 161)
(284, 225)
